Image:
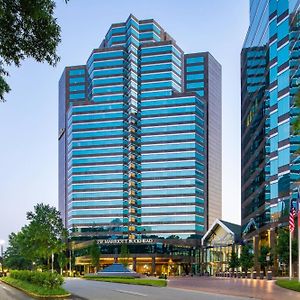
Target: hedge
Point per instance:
(45, 279)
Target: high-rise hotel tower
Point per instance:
(270, 80)
(140, 138)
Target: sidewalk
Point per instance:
(252, 288)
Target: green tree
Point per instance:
(28, 29)
(62, 261)
(247, 258)
(13, 257)
(283, 247)
(95, 253)
(36, 242)
(296, 123)
(265, 257)
(124, 255)
(234, 261)
(46, 232)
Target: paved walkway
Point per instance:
(97, 290)
(251, 288)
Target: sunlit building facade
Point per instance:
(270, 68)
(136, 160)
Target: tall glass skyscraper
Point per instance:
(270, 66)
(140, 138)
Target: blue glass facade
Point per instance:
(133, 143)
(270, 80)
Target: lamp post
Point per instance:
(2, 242)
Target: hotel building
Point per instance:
(140, 147)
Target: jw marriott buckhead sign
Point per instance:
(125, 241)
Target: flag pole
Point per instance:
(291, 263)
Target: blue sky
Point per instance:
(29, 118)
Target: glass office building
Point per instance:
(270, 72)
(140, 138)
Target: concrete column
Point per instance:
(153, 266)
(134, 264)
(256, 253)
(272, 246)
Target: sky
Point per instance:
(29, 117)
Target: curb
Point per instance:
(35, 295)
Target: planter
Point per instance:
(269, 275)
(243, 275)
(249, 275)
(239, 275)
(254, 275)
(261, 275)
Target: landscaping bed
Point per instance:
(37, 284)
(289, 284)
(126, 280)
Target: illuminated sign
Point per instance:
(125, 241)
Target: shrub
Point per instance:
(45, 279)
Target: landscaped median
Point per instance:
(129, 280)
(37, 284)
(289, 284)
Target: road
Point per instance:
(93, 290)
(9, 293)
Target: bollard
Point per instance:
(239, 274)
(243, 275)
(261, 274)
(254, 275)
(249, 275)
(269, 275)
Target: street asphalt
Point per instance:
(9, 293)
(93, 290)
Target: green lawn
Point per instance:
(289, 284)
(137, 281)
(34, 289)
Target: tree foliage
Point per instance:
(265, 252)
(247, 258)
(124, 255)
(234, 261)
(14, 258)
(44, 235)
(28, 29)
(283, 247)
(296, 123)
(95, 253)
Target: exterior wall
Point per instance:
(133, 156)
(214, 134)
(202, 74)
(172, 166)
(270, 69)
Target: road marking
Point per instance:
(131, 293)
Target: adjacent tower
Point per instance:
(140, 138)
(270, 62)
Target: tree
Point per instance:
(46, 232)
(95, 253)
(62, 261)
(124, 255)
(13, 257)
(246, 259)
(43, 237)
(28, 29)
(234, 261)
(282, 247)
(296, 123)
(265, 257)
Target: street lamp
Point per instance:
(2, 242)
